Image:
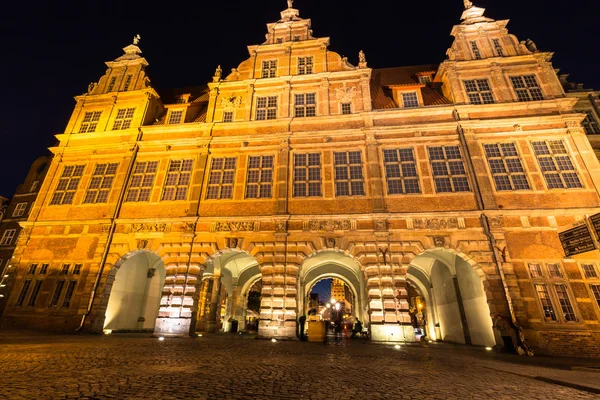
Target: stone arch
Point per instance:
(133, 292)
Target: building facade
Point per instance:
(160, 213)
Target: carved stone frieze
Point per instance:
(188, 227)
(234, 226)
(281, 226)
(231, 101)
(435, 223)
(142, 244)
(496, 222)
(439, 241)
(150, 228)
(330, 225)
(381, 225)
(105, 228)
(345, 94)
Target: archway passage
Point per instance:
(252, 312)
(453, 297)
(136, 293)
(332, 300)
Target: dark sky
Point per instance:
(51, 51)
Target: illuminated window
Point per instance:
(67, 185)
(90, 121)
(8, 237)
(69, 294)
(57, 292)
(228, 116)
(266, 108)
(536, 270)
(305, 105)
(498, 47)
(346, 108)
(269, 69)
(348, 174)
(554, 271)
(123, 118)
(34, 293)
(44, 269)
(221, 178)
(506, 167)
(476, 51)
(111, 85)
(596, 292)
(260, 177)
(401, 171)
(565, 303)
(32, 269)
(590, 123)
(547, 307)
(410, 99)
(527, 88)
(142, 181)
(175, 117)
(23, 293)
(425, 79)
(101, 183)
(77, 269)
(305, 65)
(65, 269)
(307, 175)
(479, 91)
(20, 210)
(449, 171)
(556, 165)
(589, 271)
(127, 82)
(178, 180)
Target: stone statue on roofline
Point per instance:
(136, 39)
(468, 4)
(362, 59)
(530, 44)
(290, 3)
(217, 75)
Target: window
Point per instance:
(305, 65)
(506, 167)
(266, 108)
(127, 82)
(178, 180)
(142, 181)
(34, 186)
(296, 38)
(556, 165)
(65, 269)
(498, 47)
(69, 294)
(20, 210)
(57, 292)
(479, 91)
(305, 105)
(554, 271)
(307, 175)
(589, 271)
(44, 269)
(260, 177)
(346, 108)
(410, 99)
(220, 181)
(67, 185)
(77, 269)
(448, 169)
(279, 40)
(34, 294)
(527, 88)
(536, 270)
(565, 302)
(348, 174)
(590, 123)
(425, 79)
(175, 117)
(101, 183)
(476, 51)
(32, 269)
(90, 121)
(23, 294)
(596, 293)
(269, 69)
(123, 118)
(228, 116)
(401, 171)
(8, 236)
(111, 85)
(544, 296)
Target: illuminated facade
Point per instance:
(299, 166)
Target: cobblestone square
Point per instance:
(222, 366)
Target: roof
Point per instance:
(383, 78)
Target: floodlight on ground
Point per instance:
(107, 331)
(3, 285)
(488, 348)
(273, 340)
(161, 338)
(397, 346)
(199, 335)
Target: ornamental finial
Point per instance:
(290, 3)
(468, 4)
(136, 39)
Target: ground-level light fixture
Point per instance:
(273, 340)
(107, 331)
(397, 346)
(161, 338)
(488, 348)
(199, 335)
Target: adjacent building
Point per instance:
(161, 212)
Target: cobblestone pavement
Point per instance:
(48, 366)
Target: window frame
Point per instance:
(402, 171)
(411, 101)
(307, 183)
(260, 170)
(526, 89)
(20, 209)
(508, 161)
(590, 123)
(143, 189)
(497, 46)
(450, 176)
(89, 125)
(348, 167)
(66, 195)
(100, 184)
(181, 169)
(268, 69)
(226, 170)
(7, 237)
(551, 282)
(227, 116)
(475, 50)
(306, 109)
(304, 67)
(171, 121)
(270, 112)
(481, 95)
(552, 155)
(123, 119)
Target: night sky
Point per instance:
(53, 50)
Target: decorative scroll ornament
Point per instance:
(330, 225)
(435, 223)
(234, 226)
(150, 228)
(281, 226)
(231, 102)
(496, 222)
(381, 224)
(345, 94)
